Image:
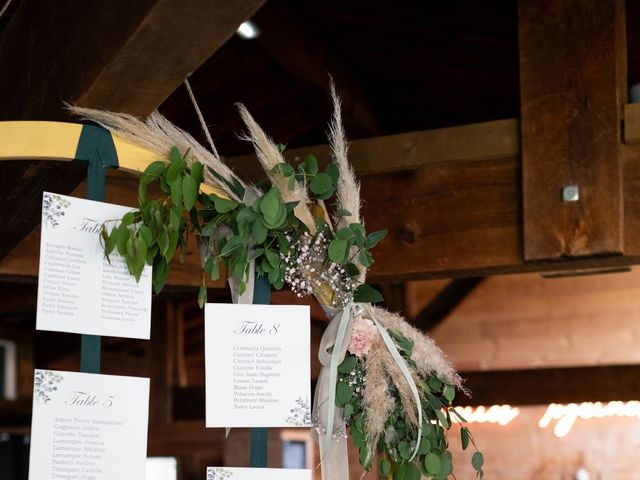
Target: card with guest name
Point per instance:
(231, 473)
(257, 362)
(89, 427)
(79, 289)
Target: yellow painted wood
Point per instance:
(36, 140)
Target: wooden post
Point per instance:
(573, 91)
(260, 436)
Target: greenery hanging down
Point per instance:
(399, 438)
(231, 232)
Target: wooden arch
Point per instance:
(58, 141)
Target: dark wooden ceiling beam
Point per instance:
(118, 55)
(553, 385)
(445, 302)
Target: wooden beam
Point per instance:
(22, 184)
(452, 210)
(475, 142)
(122, 56)
(553, 385)
(445, 302)
(632, 123)
(573, 90)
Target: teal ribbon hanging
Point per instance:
(96, 148)
(260, 436)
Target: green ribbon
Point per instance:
(260, 436)
(95, 147)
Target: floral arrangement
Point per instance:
(383, 380)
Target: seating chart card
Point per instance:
(79, 290)
(257, 365)
(88, 427)
(228, 473)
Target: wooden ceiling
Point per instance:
(399, 67)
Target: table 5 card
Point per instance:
(88, 427)
(79, 290)
(228, 473)
(257, 365)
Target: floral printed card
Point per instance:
(79, 289)
(88, 426)
(257, 360)
(229, 473)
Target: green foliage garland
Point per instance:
(231, 232)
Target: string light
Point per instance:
(566, 415)
(248, 30)
(498, 414)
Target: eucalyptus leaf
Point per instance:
(259, 233)
(338, 249)
(311, 165)
(344, 393)
(223, 205)
(375, 237)
(197, 172)
(384, 467)
(443, 420)
(202, 295)
(432, 463)
(348, 364)
(367, 294)
(270, 204)
(272, 257)
(189, 191)
(175, 170)
(449, 393)
(413, 472)
(477, 461)
(174, 154)
(321, 184)
(404, 449)
(464, 437)
(333, 172)
(155, 168)
(348, 411)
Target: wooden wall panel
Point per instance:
(605, 447)
(525, 321)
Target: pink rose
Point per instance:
(362, 337)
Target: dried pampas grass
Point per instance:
(429, 358)
(377, 399)
(269, 156)
(159, 135)
(348, 188)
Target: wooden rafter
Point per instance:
(445, 302)
(119, 55)
(553, 385)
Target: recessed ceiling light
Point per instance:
(248, 30)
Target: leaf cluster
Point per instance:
(232, 233)
(153, 233)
